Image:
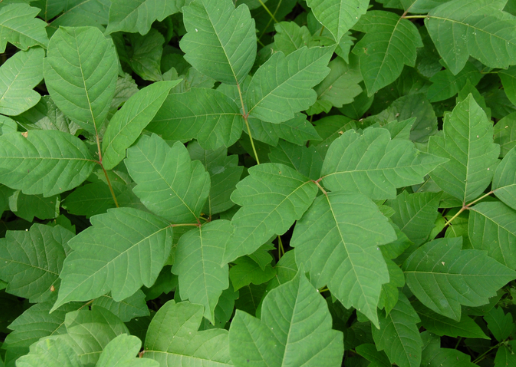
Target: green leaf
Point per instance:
(338, 16)
(127, 309)
(499, 324)
(444, 277)
(272, 197)
(290, 37)
(51, 353)
(445, 85)
(508, 78)
(294, 330)
(369, 352)
(204, 114)
(145, 55)
(18, 76)
(399, 335)
(44, 162)
(7, 125)
(173, 340)
(168, 182)
(492, 227)
(504, 180)
(79, 13)
(505, 356)
(337, 242)
(374, 165)
(221, 40)
(127, 124)
(440, 325)
(505, 133)
(460, 28)
(122, 352)
(468, 145)
(330, 128)
(138, 15)
(122, 250)
(19, 27)
(269, 95)
(444, 357)
(81, 70)
(92, 199)
(305, 160)
(199, 265)
(247, 271)
(415, 214)
(30, 206)
(389, 44)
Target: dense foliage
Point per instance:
(258, 183)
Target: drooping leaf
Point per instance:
(122, 352)
(168, 182)
(127, 309)
(19, 27)
(444, 277)
(127, 124)
(374, 165)
(199, 265)
(172, 338)
(389, 44)
(504, 180)
(44, 162)
(138, 15)
(204, 114)
(18, 76)
(492, 227)
(338, 16)
(294, 330)
(338, 241)
(81, 70)
(272, 197)
(468, 145)
(269, 95)
(122, 250)
(221, 40)
(398, 334)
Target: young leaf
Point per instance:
(337, 242)
(199, 265)
(375, 165)
(204, 114)
(399, 335)
(173, 340)
(122, 250)
(122, 352)
(221, 40)
(44, 162)
(492, 227)
(444, 277)
(389, 44)
(18, 76)
(81, 70)
(461, 28)
(31, 261)
(269, 95)
(338, 16)
(468, 145)
(272, 197)
(294, 330)
(138, 15)
(168, 182)
(19, 27)
(504, 180)
(127, 124)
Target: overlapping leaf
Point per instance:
(81, 70)
(138, 15)
(389, 44)
(128, 122)
(444, 277)
(145, 54)
(294, 330)
(51, 353)
(173, 340)
(461, 28)
(123, 352)
(122, 250)
(79, 13)
(19, 27)
(338, 241)
(168, 182)
(504, 180)
(221, 40)
(375, 165)
(272, 197)
(468, 145)
(18, 76)
(44, 162)
(205, 114)
(283, 85)
(127, 309)
(199, 265)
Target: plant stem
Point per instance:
(466, 207)
(269, 22)
(281, 250)
(322, 29)
(415, 17)
(245, 116)
(480, 198)
(185, 225)
(101, 165)
(267, 10)
(320, 187)
(483, 355)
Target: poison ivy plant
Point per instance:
(258, 183)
